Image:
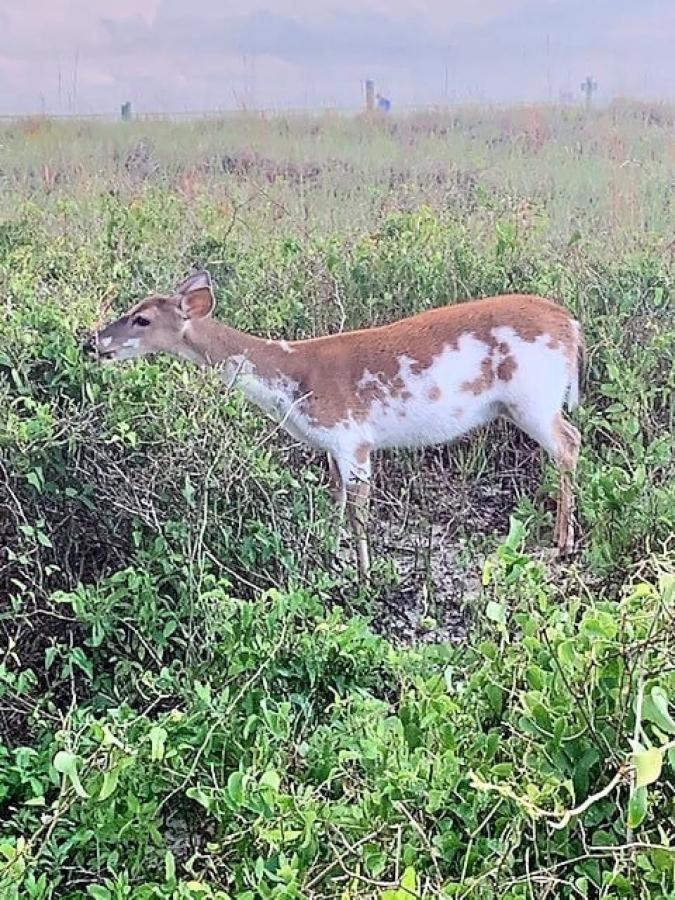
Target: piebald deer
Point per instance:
(423, 380)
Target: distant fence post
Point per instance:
(588, 87)
(126, 111)
(370, 95)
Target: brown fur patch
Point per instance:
(484, 381)
(362, 453)
(568, 441)
(434, 393)
(506, 368)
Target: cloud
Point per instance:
(176, 54)
(56, 26)
(349, 30)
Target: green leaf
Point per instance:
(583, 765)
(109, 785)
(169, 867)
(36, 479)
(662, 860)
(158, 736)
(203, 691)
(108, 739)
(235, 787)
(98, 892)
(599, 625)
(495, 612)
(199, 796)
(567, 654)
(648, 765)
(408, 887)
(671, 757)
(188, 491)
(66, 763)
(270, 779)
(516, 534)
(50, 656)
(637, 808)
(409, 880)
(79, 658)
(495, 697)
(201, 887)
(655, 709)
(375, 861)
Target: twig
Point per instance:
(336, 862)
(425, 840)
(623, 773)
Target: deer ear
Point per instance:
(196, 296)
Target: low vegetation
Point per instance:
(197, 698)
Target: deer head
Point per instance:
(158, 324)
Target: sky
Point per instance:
(89, 56)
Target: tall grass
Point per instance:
(607, 173)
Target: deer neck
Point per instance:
(210, 343)
(260, 368)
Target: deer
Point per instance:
(424, 380)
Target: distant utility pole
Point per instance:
(76, 64)
(588, 87)
(126, 111)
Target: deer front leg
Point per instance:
(350, 470)
(337, 488)
(338, 493)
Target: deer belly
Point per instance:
(422, 421)
(437, 403)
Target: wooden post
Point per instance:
(370, 95)
(588, 87)
(126, 111)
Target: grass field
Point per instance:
(197, 700)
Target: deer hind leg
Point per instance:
(568, 442)
(562, 441)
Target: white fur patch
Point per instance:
(105, 342)
(284, 345)
(433, 405)
(277, 397)
(131, 344)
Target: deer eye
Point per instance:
(141, 320)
